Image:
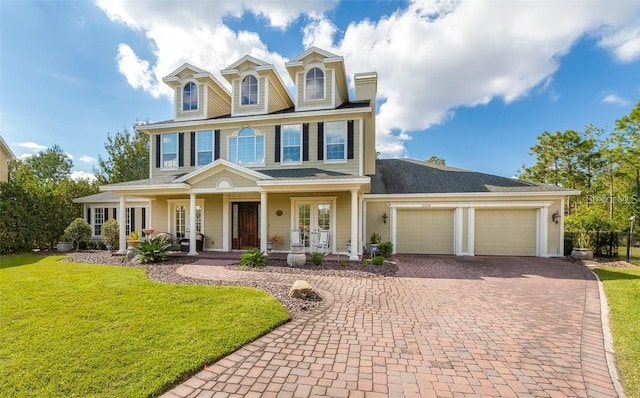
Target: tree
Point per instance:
(436, 160)
(51, 165)
(128, 158)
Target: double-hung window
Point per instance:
(170, 151)
(314, 84)
(292, 143)
(247, 148)
(127, 226)
(204, 147)
(335, 140)
(249, 90)
(190, 97)
(98, 220)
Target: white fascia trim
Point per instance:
(224, 190)
(361, 146)
(476, 205)
(351, 181)
(378, 196)
(258, 118)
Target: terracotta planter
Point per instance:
(581, 253)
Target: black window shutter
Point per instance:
(89, 215)
(349, 139)
(305, 141)
(144, 217)
(180, 149)
(133, 218)
(193, 148)
(115, 213)
(278, 143)
(216, 144)
(320, 140)
(158, 151)
(106, 213)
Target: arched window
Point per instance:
(190, 97)
(315, 84)
(247, 148)
(249, 90)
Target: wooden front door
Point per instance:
(247, 226)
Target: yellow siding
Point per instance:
(505, 232)
(199, 113)
(249, 109)
(159, 222)
(213, 221)
(327, 102)
(235, 179)
(216, 106)
(276, 102)
(374, 221)
(279, 224)
(553, 245)
(4, 170)
(425, 231)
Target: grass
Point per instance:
(79, 330)
(634, 254)
(622, 287)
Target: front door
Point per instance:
(246, 226)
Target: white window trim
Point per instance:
(256, 133)
(197, 97)
(171, 203)
(344, 160)
(304, 82)
(282, 160)
(257, 90)
(162, 166)
(197, 151)
(93, 222)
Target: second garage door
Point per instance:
(424, 231)
(505, 232)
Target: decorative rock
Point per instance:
(296, 259)
(300, 289)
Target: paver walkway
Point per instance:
(442, 327)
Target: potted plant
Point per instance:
(134, 238)
(374, 241)
(64, 245)
(274, 239)
(582, 250)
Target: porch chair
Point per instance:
(322, 244)
(295, 240)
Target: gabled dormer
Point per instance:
(320, 80)
(257, 88)
(198, 94)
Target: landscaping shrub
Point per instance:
(377, 260)
(317, 258)
(78, 231)
(343, 263)
(153, 250)
(111, 233)
(253, 258)
(385, 249)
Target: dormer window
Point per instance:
(190, 97)
(315, 84)
(249, 90)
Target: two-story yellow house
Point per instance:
(243, 165)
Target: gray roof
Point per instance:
(310, 172)
(168, 179)
(347, 105)
(105, 197)
(407, 176)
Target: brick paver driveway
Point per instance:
(443, 326)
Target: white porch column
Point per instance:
(122, 227)
(225, 222)
(393, 229)
(457, 230)
(192, 225)
(263, 222)
(543, 233)
(354, 224)
(471, 231)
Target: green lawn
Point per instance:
(622, 287)
(78, 330)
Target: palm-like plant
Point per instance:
(153, 250)
(253, 258)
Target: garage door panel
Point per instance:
(424, 231)
(505, 232)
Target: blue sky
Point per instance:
(472, 82)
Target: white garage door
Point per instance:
(505, 232)
(424, 231)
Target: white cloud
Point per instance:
(31, 146)
(615, 99)
(87, 159)
(25, 156)
(82, 175)
(432, 57)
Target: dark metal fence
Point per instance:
(606, 243)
